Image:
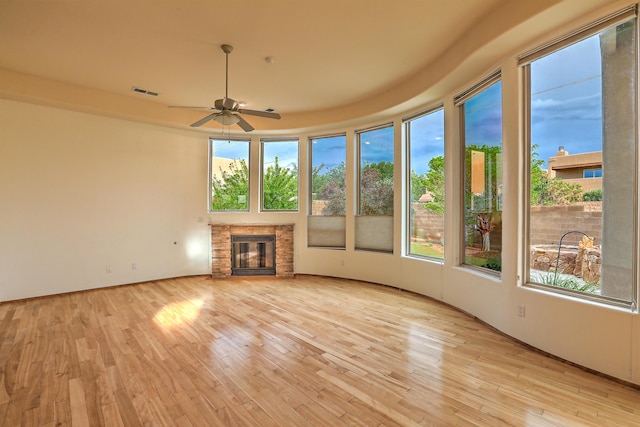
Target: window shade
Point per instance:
(578, 34)
(474, 90)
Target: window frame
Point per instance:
(524, 63)
(406, 128)
(310, 171)
(210, 174)
(459, 103)
(264, 141)
(358, 134)
(323, 231)
(360, 222)
(593, 173)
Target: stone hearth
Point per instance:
(221, 246)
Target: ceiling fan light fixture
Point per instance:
(226, 118)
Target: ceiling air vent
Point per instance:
(146, 92)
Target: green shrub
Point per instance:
(592, 196)
(559, 281)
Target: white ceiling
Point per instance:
(327, 54)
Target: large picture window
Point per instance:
(481, 115)
(280, 175)
(229, 173)
(425, 147)
(582, 166)
(328, 192)
(374, 222)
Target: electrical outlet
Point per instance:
(134, 266)
(521, 310)
(109, 269)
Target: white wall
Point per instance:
(80, 192)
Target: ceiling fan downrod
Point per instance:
(227, 49)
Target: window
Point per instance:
(328, 172)
(481, 115)
(582, 96)
(229, 172)
(425, 148)
(592, 173)
(326, 221)
(374, 222)
(280, 175)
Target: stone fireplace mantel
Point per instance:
(221, 246)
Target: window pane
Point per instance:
(374, 224)
(425, 137)
(328, 171)
(280, 175)
(326, 225)
(229, 175)
(483, 178)
(376, 172)
(583, 126)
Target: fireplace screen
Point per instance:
(253, 255)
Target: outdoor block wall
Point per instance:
(548, 224)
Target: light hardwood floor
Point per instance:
(310, 351)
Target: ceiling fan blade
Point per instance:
(186, 106)
(244, 124)
(267, 114)
(203, 120)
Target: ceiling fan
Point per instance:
(227, 110)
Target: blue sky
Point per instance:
(426, 135)
(376, 146)
(483, 117)
(566, 110)
(566, 100)
(330, 151)
(285, 151)
(231, 149)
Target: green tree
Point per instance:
(230, 191)
(537, 176)
(547, 191)
(435, 184)
(418, 185)
(592, 195)
(331, 187)
(280, 187)
(556, 192)
(318, 180)
(385, 170)
(376, 192)
(335, 195)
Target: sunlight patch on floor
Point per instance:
(178, 313)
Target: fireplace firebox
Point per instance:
(253, 255)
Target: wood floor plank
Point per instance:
(311, 351)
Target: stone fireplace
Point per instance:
(222, 254)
